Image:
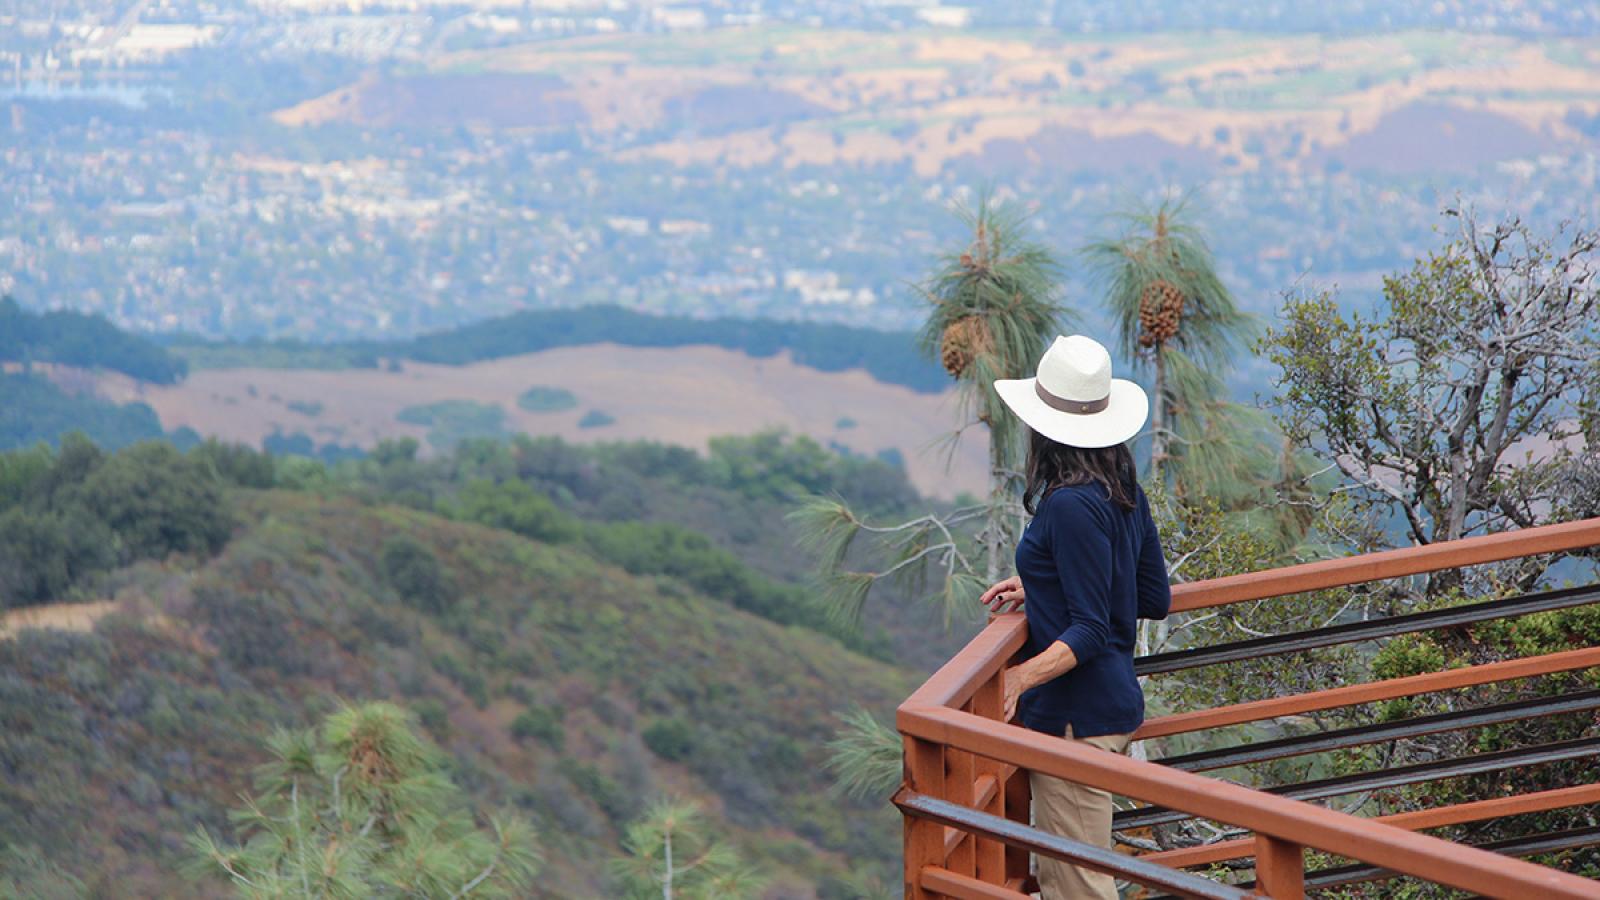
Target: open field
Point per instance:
(683, 395)
(797, 97)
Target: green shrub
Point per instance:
(432, 714)
(470, 680)
(601, 788)
(595, 418)
(234, 463)
(414, 572)
(542, 723)
(670, 739)
(515, 507)
(546, 399)
(157, 503)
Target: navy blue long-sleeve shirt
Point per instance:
(1089, 569)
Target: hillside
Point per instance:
(679, 395)
(930, 98)
(890, 357)
(120, 740)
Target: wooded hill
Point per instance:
(574, 666)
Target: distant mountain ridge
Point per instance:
(890, 357)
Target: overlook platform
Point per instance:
(965, 794)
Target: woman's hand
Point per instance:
(1013, 691)
(1054, 661)
(1004, 596)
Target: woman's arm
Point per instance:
(1054, 661)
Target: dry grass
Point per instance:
(57, 616)
(682, 395)
(1215, 93)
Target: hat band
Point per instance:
(1075, 407)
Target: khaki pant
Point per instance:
(1081, 813)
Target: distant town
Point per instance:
(298, 168)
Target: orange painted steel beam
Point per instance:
(1334, 832)
(1350, 570)
(950, 884)
(1333, 698)
(1417, 820)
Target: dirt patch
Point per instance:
(57, 616)
(489, 100)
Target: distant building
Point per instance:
(678, 18)
(684, 227)
(946, 16)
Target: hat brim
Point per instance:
(1121, 420)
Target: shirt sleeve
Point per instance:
(1080, 537)
(1154, 588)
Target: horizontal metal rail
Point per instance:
(1015, 834)
(1358, 873)
(1371, 629)
(1388, 778)
(1321, 742)
(1277, 817)
(1352, 695)
(1532, 845)
(1415, 820)
(1330, 573)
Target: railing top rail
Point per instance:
(1314, 826)
(1329, 573)
(957, 680)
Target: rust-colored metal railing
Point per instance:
(965, 795)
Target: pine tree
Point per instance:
(669, 853)
(993, 310)
(1175, 317)
(362, 807)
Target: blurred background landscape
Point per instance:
(353, 264)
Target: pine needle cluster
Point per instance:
(1161, 251)
(993, 310)
(669, 852)
(362, 808)
(865, 757)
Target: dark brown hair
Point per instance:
(1053, 465)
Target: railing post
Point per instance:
(1019, 808)
(991, 857)
(924, 840)
(1280, 868)
(959, 786)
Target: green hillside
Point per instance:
(561, 686)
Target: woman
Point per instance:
(1088, 565)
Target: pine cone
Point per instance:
(964, 340)
(1160, 312)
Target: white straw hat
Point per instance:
(1074, 400)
